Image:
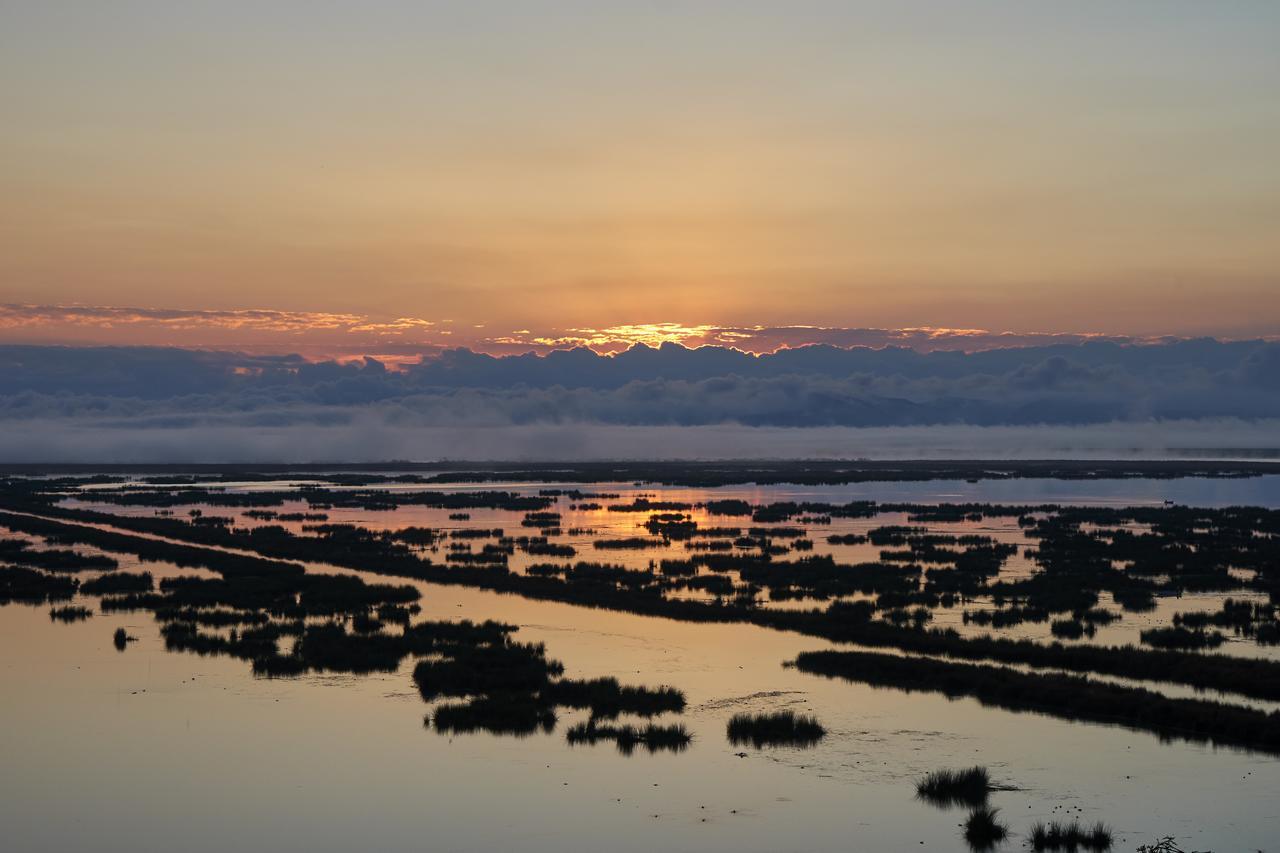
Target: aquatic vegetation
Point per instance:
(1181, 638)
(1066, 696)
(114, 582)
(1070, 836)
(654, 738)
(955, 787)
(121, 639)
(981, 829)
(606, 698)
(1071, 629)
(783, 728)
(1246, 618)
(514, 688)
(28, 586)
(632, 543)
(53, 559)
(501, 714)
(70, 613)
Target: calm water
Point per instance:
(148, 750)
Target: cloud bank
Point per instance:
(154, 404)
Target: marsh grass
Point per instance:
(947, 787)
(500, 714)
(1070, 836)
(784, 728)
(654, 738)
(70, 613)
(121, 639)
(118, 582)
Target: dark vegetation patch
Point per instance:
(28, 586)
(1179, 637)
(782, 728)
(968, 787)
(514, 688)
(1246, 618)
(70, 613)
(1070, 836)
(19, 552)
(654, 738)
(114, 582)
(1066, 696)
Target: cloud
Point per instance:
(14, 316)
(321, 335)
(56, 402)
(766, 339)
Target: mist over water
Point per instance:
(371, 435)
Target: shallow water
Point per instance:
(150, 750)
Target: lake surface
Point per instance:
(151, 750)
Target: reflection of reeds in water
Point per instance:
(501, 714)
(982, 831)
(784, 728)
(955, 787)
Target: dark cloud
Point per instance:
(100, 397)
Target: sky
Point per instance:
(388, 176)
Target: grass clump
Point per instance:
(70, 613)
(784, 728)
(1070, 836)
(116, 582)
(955, 787)
(121, 639)
(654, 738)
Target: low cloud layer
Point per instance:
(141, 404)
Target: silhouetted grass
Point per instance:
(955, 787)
(783, 728)
(1070, 836)
(121, 639)
(654, 738)
(1071, 629)
(1066, 696)
(607, 698)
(29, 586)
(116, 582)
(500, 714)
(1181, 638)
(70, 613)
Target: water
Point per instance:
(149, 750)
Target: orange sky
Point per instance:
(557, 166)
